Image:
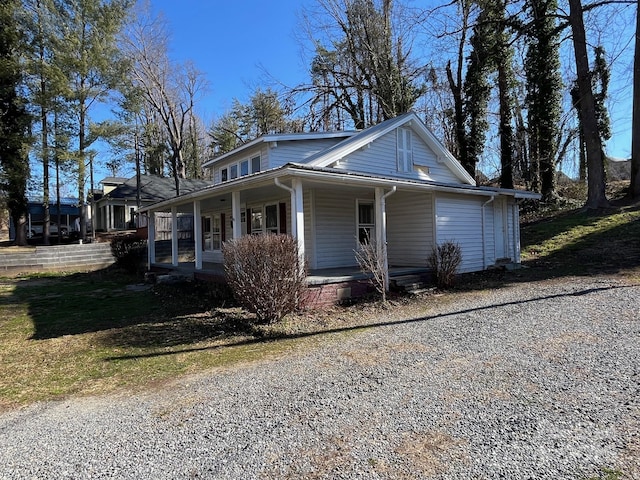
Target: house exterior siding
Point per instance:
(380, 158)
(409, 228)
(298, 151)
(458, 219)
(335, 214)
(309, 228)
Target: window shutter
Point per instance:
(248, 213)
(283, 218)
(223, 228)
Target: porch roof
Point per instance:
(333, 176)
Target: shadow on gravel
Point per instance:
(251, 341)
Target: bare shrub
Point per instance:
(371, 260)
(130, 252)
(445, 260)
(264, 274)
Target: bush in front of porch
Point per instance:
(266, 275)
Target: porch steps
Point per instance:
(411, 283)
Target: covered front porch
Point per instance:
(327, 219)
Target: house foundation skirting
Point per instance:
(328, 294)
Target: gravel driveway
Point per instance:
(536, 380)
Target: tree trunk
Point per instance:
(596, 197)
(634, 186)
(458, 108)
(505, 129)
(81, 170)
(20, 224)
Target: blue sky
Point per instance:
(233, 42)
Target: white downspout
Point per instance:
(484, 238)
(292, 192)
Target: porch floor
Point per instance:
(315, 277)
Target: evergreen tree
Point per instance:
(14, 121)
(93, 67)
(477, 88)
(544, 89)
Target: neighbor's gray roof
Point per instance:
(155, 189)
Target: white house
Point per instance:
(394, 181)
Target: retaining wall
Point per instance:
(73, 257)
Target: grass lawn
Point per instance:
(91, 333)
(88, 333)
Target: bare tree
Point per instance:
(362, 70)
(170, 90)
(596, 197)
(634, 187)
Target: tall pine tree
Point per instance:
(14, 121)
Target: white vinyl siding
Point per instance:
(459, 219)
(423, 155)
(309, 227)
(335, 215)
(380, 158)
(298, 151)
(409, 229)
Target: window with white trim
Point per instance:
(212, 232)
(240, 169)
(404, 150)
(256, 220)
(266, 219)
(366, 221)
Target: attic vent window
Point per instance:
(404, 150)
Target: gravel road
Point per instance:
(531, 381)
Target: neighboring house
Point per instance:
(116, 207)
(394, 182)
(68, 214)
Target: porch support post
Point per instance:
(109, 217)
(174, 236)
(381, 229)
(236, 215)
(197, 233)
(151, 238)
(297, 214)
